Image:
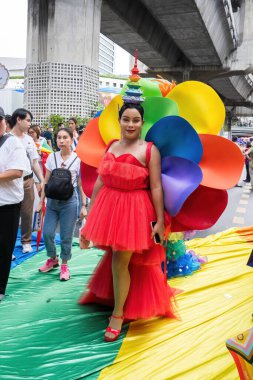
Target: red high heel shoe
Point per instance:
(115, 332)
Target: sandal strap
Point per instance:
(113, 331)
(118, 316)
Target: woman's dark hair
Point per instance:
(73, 119)
(21, 113)
(8, 119)
(66, 130)
(36, 129)
(125, 106)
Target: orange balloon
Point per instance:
(90, 148)
(222, 162)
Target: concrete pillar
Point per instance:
(242, 57)
(62, 57)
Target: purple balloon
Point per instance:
(180, 177)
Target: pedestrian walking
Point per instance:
(21, 121)
(61, 182)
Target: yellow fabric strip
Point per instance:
(216, 304)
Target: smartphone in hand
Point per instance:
(157, 239)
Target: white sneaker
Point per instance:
(27, 248)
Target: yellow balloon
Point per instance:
(200, 105)
(109, 120)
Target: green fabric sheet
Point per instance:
(44, 333)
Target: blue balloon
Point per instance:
(180, 177)
(97, 114)
(174, 136)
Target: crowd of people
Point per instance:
(22, 173)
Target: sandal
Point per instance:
(115, 332)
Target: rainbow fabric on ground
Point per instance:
(45, 334)
(241, 349)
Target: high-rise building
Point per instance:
(106, 55)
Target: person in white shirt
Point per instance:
(21, 121)
(63, 211)
(13, 165)
(73, 126)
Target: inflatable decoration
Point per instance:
(109, 120)
(88, 176)
(225, 158)
(91, 147)
(174, 136)
(200, 105)
(180, 177)
(197, 166)
(155, 109)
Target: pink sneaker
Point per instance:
(50, 264)
(64, 275)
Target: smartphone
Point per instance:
(157, 239)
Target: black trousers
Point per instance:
(9, 220)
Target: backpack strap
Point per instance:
(55, 161)
(4, 138)
(148, 152)
(72, 162)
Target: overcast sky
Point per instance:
(13, 34)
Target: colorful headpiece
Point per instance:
(133, 92)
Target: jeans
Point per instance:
(9, 219)
(64, 212)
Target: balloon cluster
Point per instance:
(198, 166)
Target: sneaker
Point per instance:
(1, 297)
(64, 275)
(13, 258)
(50, 264)
(27, 248)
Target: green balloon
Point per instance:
(148, 88)
(155, 109)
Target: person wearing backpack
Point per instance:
(60, 189)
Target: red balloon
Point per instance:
(88, 176)
(222, 162)
(201, 210)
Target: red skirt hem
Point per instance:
(149, 294)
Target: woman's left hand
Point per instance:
(83, 212)
(158, 229)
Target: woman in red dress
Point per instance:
(127, 197)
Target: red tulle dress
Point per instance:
(118, 221)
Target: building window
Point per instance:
(121, 85)
(114, 84)
(107, 84)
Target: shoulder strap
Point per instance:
(148, 152)
(4, 138)
(55, 161)
(72, 162)
(109, 144)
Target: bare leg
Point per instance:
(121, 284)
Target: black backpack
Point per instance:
(60, 185)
